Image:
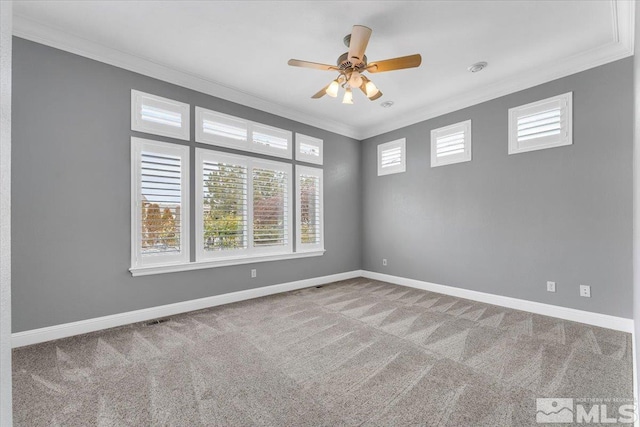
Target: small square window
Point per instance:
(308, 149)
(542, 124)
(159, 116)
(392, 157)
(451, 144)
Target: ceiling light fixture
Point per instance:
(348, 96)
(332, 90)
(355, 80)
(371, 89)
(478, 66)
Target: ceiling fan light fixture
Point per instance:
(371, 89)
(348, 97)
(355, 80)
(332, 90)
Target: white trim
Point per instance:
(6, 15)
(318, 173)
(309, 140)
(465, 128)
(621, 46)
(40, 335)
(49, 36)
(222, 262)
(137, 258)
(563, 102)
(139, 124)
(399, 168)
(587, 317)
(634, 353)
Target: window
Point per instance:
(233, 132)
(244, 206)
(451, 144)
(309, 203)
(540, 125)
(159, 116)
(308, 149)
(160, 203)
(392, 157)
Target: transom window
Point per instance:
(542, 124)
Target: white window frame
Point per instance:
(402, 167)
(140, 125)
(564, 102)
(248, 145)
(303, 157)
(250, 252)
(317, 172)
(445, 131)
(137, 259)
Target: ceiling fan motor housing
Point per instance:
(344, 63)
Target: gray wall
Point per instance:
(506, 224)
(71, 195)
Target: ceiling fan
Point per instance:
(352, 64)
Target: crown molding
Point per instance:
(621, 46)
(43, 34)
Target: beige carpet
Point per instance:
(352, 353)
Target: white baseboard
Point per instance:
(35, 336)
(590, 318)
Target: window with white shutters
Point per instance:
(542, 124)
(309, 202)
(309, 149)
(159, 116)
(243, 206)
(222, 200)
(392, 157)
(271, 216)
(233, 132)
(451, 144)
(160, 191)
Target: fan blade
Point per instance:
(358, 43)
(410, 61)
(314, 65)
(322, 92)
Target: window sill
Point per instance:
(199, 265)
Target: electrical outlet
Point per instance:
(585, 291)
(254, 273)
(384, 261)
(551, 286)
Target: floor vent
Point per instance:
(157, 321)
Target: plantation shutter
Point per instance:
(161, 210)
(310, 209)
(309, 149)
(270, 140)
(160, 202)
(224, 207)
(451, 144)
(542, 124)
(270, 207)
(392, 157)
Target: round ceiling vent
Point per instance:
(478, 66)
(386, 104)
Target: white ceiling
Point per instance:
(239, 50)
